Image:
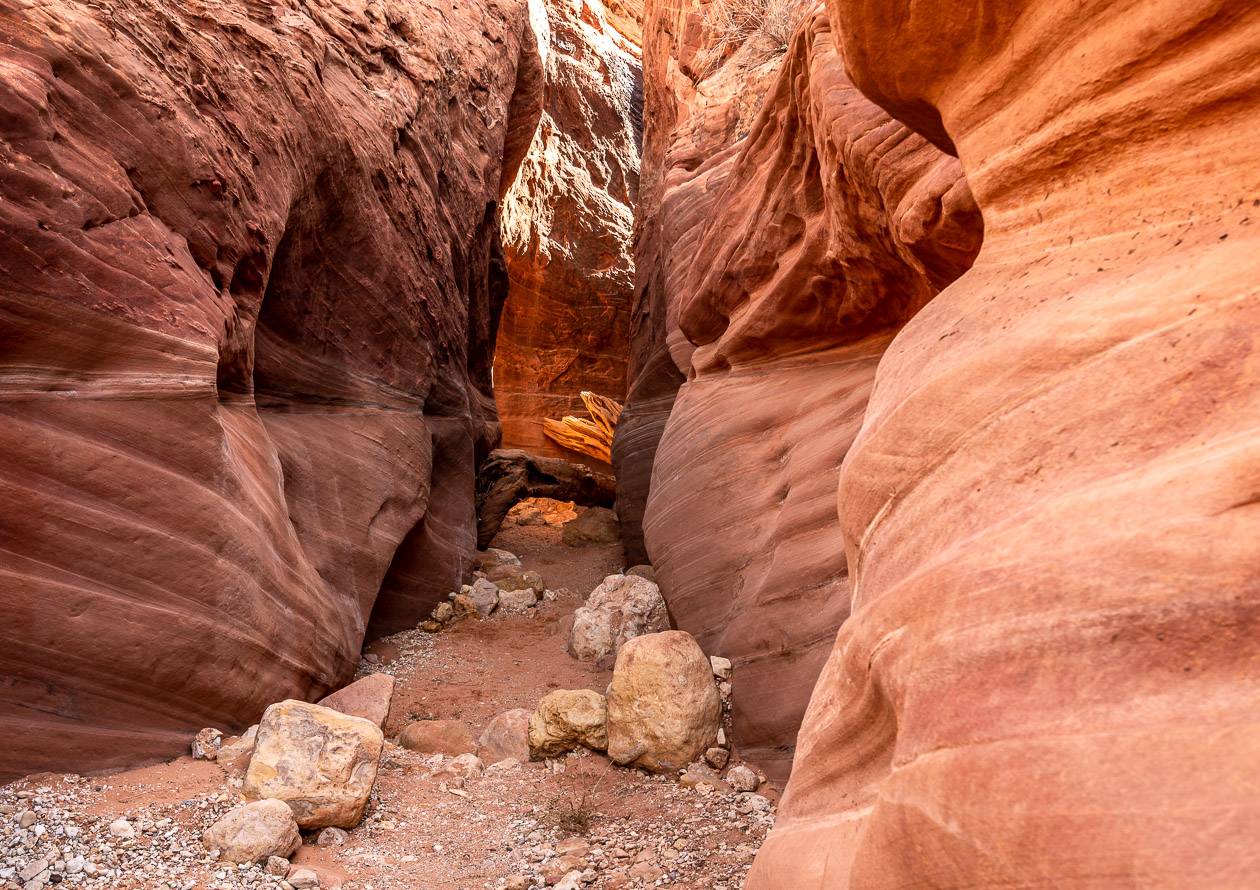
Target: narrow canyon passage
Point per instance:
(704, 444)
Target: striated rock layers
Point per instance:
(567, 223)
(829, 227)
(248, 306)
(1051, 511)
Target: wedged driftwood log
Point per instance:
(510, 475)
(594, 436)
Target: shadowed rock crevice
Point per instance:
(512, 475)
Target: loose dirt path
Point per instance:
(423, 832)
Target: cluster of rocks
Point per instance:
(49, 840)
(501, 585)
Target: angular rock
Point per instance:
(443, 612)
(303, 879)
(717, 757)
(492, 558)
(322, 763)
(663, 709)
(206, 744)
(596, 525)
(451, 737)
(368, 698)
(332, 837)
(741, 778)
(506, 736)
(484, 596)
(254, 832)
(721, 666)
(620, 608)
(522, 581)
(517, 601)
(565, 719)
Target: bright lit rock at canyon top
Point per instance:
(508, 444)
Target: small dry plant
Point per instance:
(574, 811)
(767, 24)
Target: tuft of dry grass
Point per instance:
(766, 25)
(573, 812)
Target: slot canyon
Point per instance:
(704, 444)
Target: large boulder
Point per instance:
(663, 708)
(368, 698)
(566, 719)
(506, 737)
(254, 832)
(438, 737)
(620, 608)
(321, 762)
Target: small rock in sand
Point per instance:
(121, 828)
(741, 778)
(507, 736)
(438, 737)
(277, 865)
(717, 757)
(721, 667)
(254, 832)
(565, 719)
(332, 837)
(302, 878)
(205, 744)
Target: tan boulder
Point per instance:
(565, 719)
(321, 762)
(367, 698)
(235, 752)
(620, 608)
(254, 832)
(663, 709)
(507, 737)
(597, 525)
(522, 581)
(452, 737)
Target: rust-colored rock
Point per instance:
(1050, 512)
(567, 224)
(248, 301)
(832, 225)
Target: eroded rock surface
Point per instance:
(248, 305)
(1050, 509)
(787, 262)
(567, 225)
(320, 762)
(620, 608)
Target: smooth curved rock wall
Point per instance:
(1050, 512)
(248, 306)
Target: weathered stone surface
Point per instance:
(493, 558)
(484, 595)
(206, 744)
(1049, 511)
(565, 719)
(596, 525)
(620, 608)
(517, 600)
(254, 832)
(506, 737)
(320, 762)
(567, 226)
(522, 581)
(368, 698)
(452, 737)
(510, 475)
(234, 753)
(663, 709)
(245, 347)
(795, 257)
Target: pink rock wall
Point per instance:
(1050, 515)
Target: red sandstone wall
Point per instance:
(247, 309)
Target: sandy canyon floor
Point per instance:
(501, 829)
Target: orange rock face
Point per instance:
(828, 227)
(567, 224)
(247, 303)
(1050, 513)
